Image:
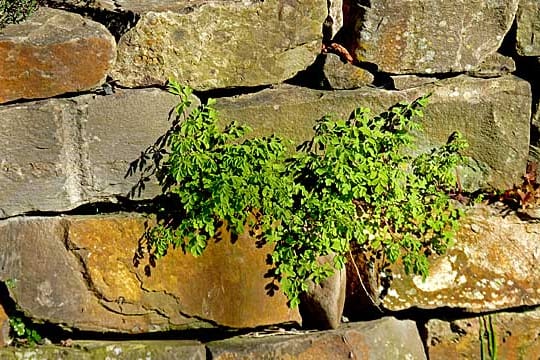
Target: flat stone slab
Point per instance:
(427, 36)
(493, 265)
(386, 338)
(51, 53)
(492, 114)
(62, 153)
(86, 278)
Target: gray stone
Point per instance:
(51, 53)
(492, 266)
(403, 82)
(493, 115)
(386, 338)
(88, 350)
(340, 75)
(515, 335)
(528, 28)
(494, 65)
(209, 45)
(429, 36)
(61, 153)
(321, 306)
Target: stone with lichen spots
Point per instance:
(51, 53)
(429, 36)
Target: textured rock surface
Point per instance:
(321, 306)
(493, 113)
(211, 45)
(493, 265)
(51, 53)
(91, 350)
(430, 36)
(85, 278)
(382, 339)
(341, 75)
(516, 336)
(60, 153)
(528, 28)
(403, 82)
(494, 65)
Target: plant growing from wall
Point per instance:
(354, 181)
(15, 11)
(23, 333)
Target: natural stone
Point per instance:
(528, 28)
(403, 82)
(386, 338)
(53, 52)
(209, 45)
(493, 114)
(5, 338)
(428, 37)
(86, 279)
(340, 75)
(492, 266)
(322, 304)
(90, 350)
(515, 334)
(494, 65)
(61, 153)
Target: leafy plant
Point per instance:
(23, 333)
(487, 334)
(15, 11)
(354, 181)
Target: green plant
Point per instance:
(487, 332)
(355, 180)
(23, 333)
(15, 11)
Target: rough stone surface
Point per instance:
(382, 339)
(493, 265)
(51, 53)
(403, 82)
(91, 350)
(516, 336)
(430, 36)
(210, 45)
(494, 65)
(341, 75)
(61, 153)
(528, 28)
(5, 338)
(321, 306)
(85, 278)
(494, 115)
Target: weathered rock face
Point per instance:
(60, 153)
(51, 53)
(516, 336)
(528, 28)
(429, 36)
(493, 265)
(341, 75)
(85, 278)
(383, 339)
(493, 113)
(211, 45)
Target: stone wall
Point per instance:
(82, 94)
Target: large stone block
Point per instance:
(428, 36)
(528, 28)
(493, 114)
(515, 336)
(61, 153)
(381, 339)
(210, 45)
(492, 266)
(51, 53)
(85, 278)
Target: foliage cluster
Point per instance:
(23, 333)
(354, 181)
(15, 11)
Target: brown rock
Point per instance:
(402, 82)
(85, 278)
(428, 36)
(5, 328)
(528, 28)
(383, 339)
(493, 265)
(53, 52)
(340, 75)
(516, 336)
(494, 65)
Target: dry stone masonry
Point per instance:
(81, 96)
